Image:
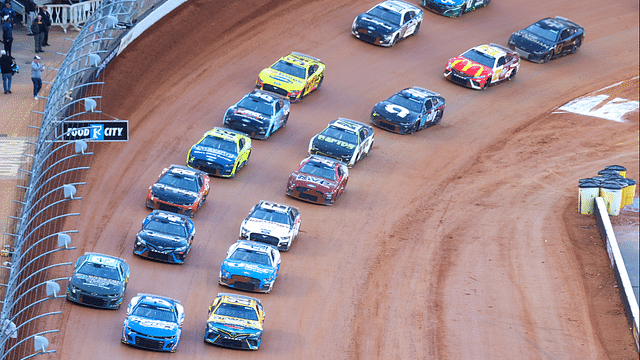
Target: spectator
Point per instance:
(38, 29)
(46, 19)
(31, 9)
(7, 35)
(6, 68)
(8, 10)
(36, 75)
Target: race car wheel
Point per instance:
(513, 74)
(576, 45)
(548, 56)
(464, 8)
(486, 84)
(320, 82)
(395, 40)
(417, 28)
(438, 117)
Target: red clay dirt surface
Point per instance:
(461, 241)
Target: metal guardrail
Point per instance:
(37, 260)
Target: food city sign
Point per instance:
(117, 130)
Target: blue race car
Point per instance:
(259, 114)
(547, 39)
(98, 280)
(165, 236)
(250, 266)
(153, 322)
(453, 8)
(235, 321)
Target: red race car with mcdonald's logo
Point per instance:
(482, 66)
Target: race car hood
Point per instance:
(96, 285)
(376, 25)
(162, 239)
(235, 267)
(247, 116)
(266, 227)
(331, 146)
(310, 181)
(529, 41)
(152, 327)
(470, 68)
(281, 79)
(233, 325)
(173, 195)
(212, 155)
(395, 117)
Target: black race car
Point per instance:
(409, 110)
(165, 236)
(98, 280)
(344, 140)
(547, 39)
(179, 189)
(387, 23)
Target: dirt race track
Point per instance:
(458, 242)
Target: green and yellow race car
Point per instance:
(220, 152)
(293, 76)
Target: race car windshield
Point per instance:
(236, 311)
(180, 182)
(155, 312)
(481, 58)
(318, 170)
(272, 216)
(99, 270)
(251, 256)
(385, 14)
(406, 103)
(220, 144)
(340, 134)
(166, 227)
(543, 32)
(253, 105)
(289, 68)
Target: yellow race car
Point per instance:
(220, 152)
(293, 76)
(235, 321)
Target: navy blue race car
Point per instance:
(387, 23)
(98, 280)
(409, 110)
(165, 236)
(453, 8)
(153, 322)
(344, 139)
(258, 114)
(250, 266)
(547, 39)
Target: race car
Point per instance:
(319, 180)
(258, 114)
(345, 140)
(153, 322)
(235, 321)
(165, 236)
(179, 189)
(482, 66)
(547, 39)
(250, 266)
(221, 152)
(453, 8)
(409, 110)
(387, 23)
(293, 76)
(271, 223)
(98, 280)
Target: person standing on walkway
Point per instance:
(8, 10)
(36, 75)
(38, 29)
(7, 34)
(6, 68)
(31, 9)
(46, 19)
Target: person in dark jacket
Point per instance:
(7, 35)
(6, 68)
(46, 19)
(8, 10)
(38, 29)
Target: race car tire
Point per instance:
(204, 198)
(438, 117)
(576, 45)
(417, 28)
(547, 56)
(319, 83)
(513, 74)
(486, 84)
(394, 41)
(464, 8)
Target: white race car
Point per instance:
(271, 223)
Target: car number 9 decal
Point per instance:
(397, 109)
